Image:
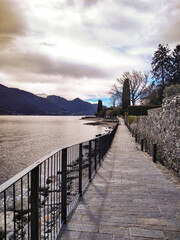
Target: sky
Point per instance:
(78, 48)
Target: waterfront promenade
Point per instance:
(129, 198)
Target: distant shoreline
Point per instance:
(94, 121)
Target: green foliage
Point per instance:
(175, 66)
(116, 112)
(155, 98)
(131, 119)
(126, 95)
(165, 71)
(161, 65)
(101, 113)
(140, 110)
(171, 90)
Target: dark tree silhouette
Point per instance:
(99, 108)
(161, 64)
(126, 94)
(175, 66)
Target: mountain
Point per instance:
(14, 101)
(75, 107)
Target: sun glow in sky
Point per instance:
(78, 48)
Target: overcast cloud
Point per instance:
(78, 48)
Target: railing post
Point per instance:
(154, 152)
(64, 186)
(95, 152)
(80, 169)
(102, 145)
(142, 144)
(99, 150)
(35, 223)
(136, 137)
(89, 161)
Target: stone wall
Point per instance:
(162, 126)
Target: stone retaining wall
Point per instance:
(162, 126)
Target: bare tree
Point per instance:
(138, 84)
(116, 95)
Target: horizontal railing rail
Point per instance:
(35, 203)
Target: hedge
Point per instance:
(140, 110)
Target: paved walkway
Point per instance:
(128, 199)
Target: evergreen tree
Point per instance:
(99, 108)
(161, 63)
(126, 94)
(175, 67)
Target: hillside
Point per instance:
(75, 107)
(18, 102)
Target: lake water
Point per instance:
(26, 139)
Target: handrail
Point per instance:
(38, 199)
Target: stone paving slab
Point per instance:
(129, 198)
(141, 232)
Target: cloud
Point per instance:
(79, 48)
(89, 3)
(172, 30)
(11, 21)
(42, 64)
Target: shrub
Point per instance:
(139, 110)
(171, 90)
(116, 112)
(101, 113)
(131, 119)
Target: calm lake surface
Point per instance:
(26, 139)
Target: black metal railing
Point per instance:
(35, 203)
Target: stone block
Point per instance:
(146, 233)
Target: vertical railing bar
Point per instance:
(44, 198)
(48, 200)
(64, 189)
(71, 189)
(40, 197)
(69, 168)
(57, 195)
(59, 191)
(14, 208)
(54, 194)
(80, 169)
(99, 140)
(90, 161)
(51, 200)
(35, 203)
(95, 152)
(22, 208)
(68, 174)
(28, 202)
(55, 162)
(5, 229)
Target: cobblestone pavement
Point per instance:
(129, 198)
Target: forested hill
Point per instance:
(14, 101)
